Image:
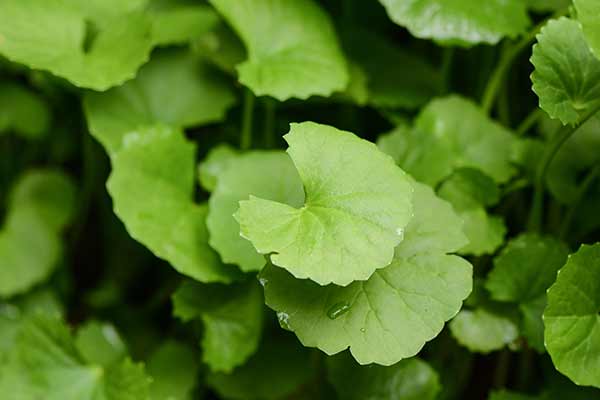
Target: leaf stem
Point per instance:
(247, 116)
(556, 142)
(583, 188)
(269, 128)
(446, 68)
(506, 60)
(529, 121)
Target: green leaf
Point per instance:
(222, 48)
(41, 204)
(482, 330)
(395, 77)
(100, 343)
(357, 206)
(411, 379)
(268, 175)
(587, 14)
(179, 22)
(53, 364)
(525, 268)
(95, 44)
(392, 315)
(567, 75)
(470, 191)
(532, 324)
(232, 317)
(277, 369)
(23, 111)
(298, 58)
(214, 164)
(152, 187)
(460, 22)
(174, 88)
(548, 5)
(174, 371)
(452, 133)
(571, 317)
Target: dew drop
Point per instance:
(263, 282)
(363, 330)
(400, 232)
(338, 309)
(283, 320)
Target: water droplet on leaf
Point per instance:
(338, 309)
(263, 282)
(283, 320)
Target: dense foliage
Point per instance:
(299, 199)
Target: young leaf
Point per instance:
(174, 370)
(100, 343)
(470, 191)
(460, 22)
(571, 317)
(232, 317)
(357, 206)
(525, 268)
(390, 316)
(587, 13)
(52, 362)
(299, 58)
(482, 330)
(41, 204)
(268, 175)
(174, 88)
(411, 379)
(567, 75)
(95, 44)
(451, 133)
(277, 369)
(152, 184)
(23, 111)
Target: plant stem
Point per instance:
(529, 121)
(502, 369)
(556, 142)
(269, 105)
(247, 114)
(506, 61)
(583, 188)
(447, 59)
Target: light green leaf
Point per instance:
(452, 133)
(395, 77)
(482, 330)
(470, 191)
(268, 175)
(572, 320)
(411, 379)
(222, 48)
(214, 164)
(357, 206)
(277, 369)
(299, 58)
(100, 343)
(94, 44)
(460, 22)
(232, 317)
(174, 88)
(174, 371)
(567, 75)
(23, 111)
(392, 315)
(41, 204)
(587, 13)
(53, 364)
(179, 22)
(152, 187)
(525, 268)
